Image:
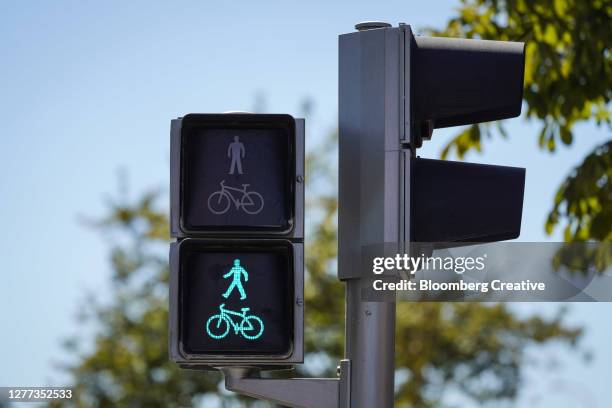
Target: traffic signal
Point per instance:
(236, 174)
(237, 203)
(395, 88)
(458, 82)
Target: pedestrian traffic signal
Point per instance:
(235, 174)
(236, 297)
(236, 270)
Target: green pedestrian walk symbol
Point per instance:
(236, 274)
(218, 326)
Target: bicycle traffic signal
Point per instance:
(237, 296)
(236, 284)
(236, 174)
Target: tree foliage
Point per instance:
(568, 80)
(584, 199)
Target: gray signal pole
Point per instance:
(374, 155)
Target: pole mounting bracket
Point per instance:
(292, 392)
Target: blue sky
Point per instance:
(88, 88)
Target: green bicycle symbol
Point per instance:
(251, 327)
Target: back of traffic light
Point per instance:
(458, 82)
(394, 90)
(237, 204)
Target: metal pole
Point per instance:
(370, 347)
(374, 155)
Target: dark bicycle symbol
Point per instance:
(220, 201)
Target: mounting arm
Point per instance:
(293, 392)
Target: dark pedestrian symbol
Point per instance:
(236, 152)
